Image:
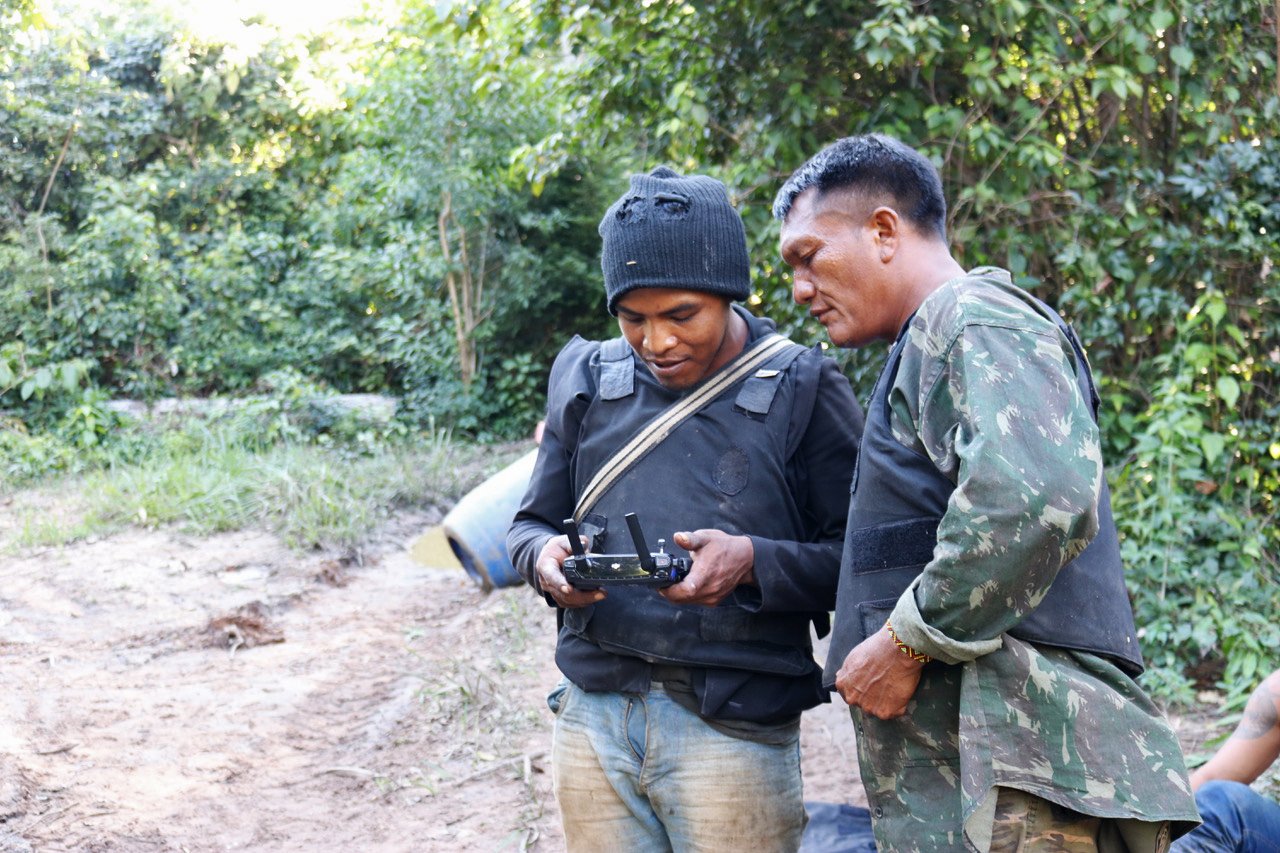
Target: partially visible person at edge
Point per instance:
(987, 655)
(677, 722)
(1237, 819)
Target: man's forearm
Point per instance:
(525, 541)
(1254, 745)
(796, 576)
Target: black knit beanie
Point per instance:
(674, 231)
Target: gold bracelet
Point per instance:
(918, 657)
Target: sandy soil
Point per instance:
(174, 693)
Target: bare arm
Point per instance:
(1255, 743)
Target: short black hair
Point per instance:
(873, 163)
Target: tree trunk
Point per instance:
(464, 289)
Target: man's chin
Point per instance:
(678, 378)
(843, 337)
(676, 384)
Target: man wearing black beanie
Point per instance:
(677, 722)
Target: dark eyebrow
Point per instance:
(680, 309)
(670, 312)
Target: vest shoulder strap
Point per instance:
(761, 387)
(617, 370)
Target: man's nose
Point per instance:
(802, 290)
(658, 339)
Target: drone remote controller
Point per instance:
(592, 571)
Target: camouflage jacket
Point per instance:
(981, 368)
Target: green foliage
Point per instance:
(472, 268)
(67, 416)
(144, 226)
(36, 382)
(408, 206)
(185, 216)
(1196, 504)
(1119, 159)
(86, 433)
(1193, 420)
(513, 398)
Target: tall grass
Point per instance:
(211, 478)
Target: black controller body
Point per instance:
(593, 571)
(643, 568)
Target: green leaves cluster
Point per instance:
(136, 229)
(463, 269)
(184, 216)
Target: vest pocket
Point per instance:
(925, 741)
(873, 614)
(636, 623)
(733, 624)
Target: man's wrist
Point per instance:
(750, 577)
(909, 651)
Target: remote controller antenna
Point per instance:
(642, 549)
(575, 541)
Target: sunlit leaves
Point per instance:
(222, 210)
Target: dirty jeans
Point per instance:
(639, 772)
(1236, 820)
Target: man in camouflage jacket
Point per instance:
(983, 637)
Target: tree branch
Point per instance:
(48, 188)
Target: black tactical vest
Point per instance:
(724, 468)
(898, 499)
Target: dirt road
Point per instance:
(172, 693)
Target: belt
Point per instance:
(670, 673)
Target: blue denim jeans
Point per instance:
(640, 773)
(1236, 820)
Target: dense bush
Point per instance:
(183, 217)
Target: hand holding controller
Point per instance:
(591, 571)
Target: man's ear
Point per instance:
(886, 229)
